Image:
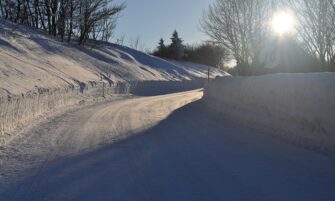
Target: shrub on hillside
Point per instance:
(207, 54)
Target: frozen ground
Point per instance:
(158, 148)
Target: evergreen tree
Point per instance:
(176, 48)
(161, 44)
(161, 49)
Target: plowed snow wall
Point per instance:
(297, 107)
(151, 88)
(20, 110)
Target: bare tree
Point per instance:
(316, 29)
(121, 40)
(240, 26)
(85, 19)
(92, 12)
(72, 7)
(108, 27)
(331, 39)
(1, 8)
(136, 43)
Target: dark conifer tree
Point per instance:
(176, 48)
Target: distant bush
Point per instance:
(285, 56)
(290, 57)
(207, 53)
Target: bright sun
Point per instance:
(282, 22)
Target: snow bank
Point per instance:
(151, 88)
(16, 111)
(20, 110)
(298, 107)
(39, 73)
(31, 59)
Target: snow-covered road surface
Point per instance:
(136, 149)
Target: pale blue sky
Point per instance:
(153, 19)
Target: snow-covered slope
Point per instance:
(31, 59)
(299, 107)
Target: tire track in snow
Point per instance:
(193, 154)
(84, 130)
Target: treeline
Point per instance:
(206, 53)
(84, 19)
(242, 28)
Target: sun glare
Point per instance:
(282, 22)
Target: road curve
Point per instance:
(85, 130)
(168, 147)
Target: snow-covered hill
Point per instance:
(31, 59)
(40, 74)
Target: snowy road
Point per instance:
(159, 148)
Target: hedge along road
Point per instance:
(168, 147)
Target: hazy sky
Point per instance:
(153, 19)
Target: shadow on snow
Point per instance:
(191, 155)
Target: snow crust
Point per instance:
(298, 107)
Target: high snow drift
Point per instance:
(31, 59)
(299, 107)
